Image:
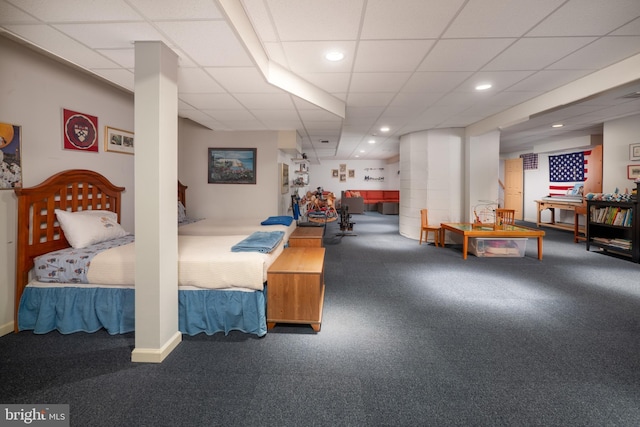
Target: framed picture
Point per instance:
(10, 163)
(232, 166)
(80, 131)
(352, 173)
(633, 171)
(118, 140)
(343, 177)
(634, 151)
(334, 173)
(284, 178)
(343, 168)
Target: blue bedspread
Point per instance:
(278, 220)
(259, 241)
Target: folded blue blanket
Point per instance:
(278, 220)
(260, 241)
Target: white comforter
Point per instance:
(223, 227)
(203, 261)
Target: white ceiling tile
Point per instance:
(241, 124)
(588, 18)
(547, 80)
(224, 116)
(116, 35)
(78, 10)
(499, 18)
(61, 45)
(317, 115)
(599, 54)
(499, 79)
(242, 80)
(391, 55)
(420, 18)
(196, 80)
(464, 54)
(169, 10)
(370, 99)
(308, 57)
(378, 82)
(536, 53)
(124, 57)
(265, 101)
(631, 29)
(435, 81)
(317, 20)
(10, 14)
(209, 43)
(211, 101)
(260, 20)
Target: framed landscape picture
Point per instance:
(10, 152)
(232, 166)
(633, 171)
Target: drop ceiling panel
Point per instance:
(308, 57)
(242, 80)
(120, 35)
(463, 54)
(391, 56)
(601, 53)
(196, 80)
(211, 101)
(378, 82)
(11, 14)
(171, 9)
(78, 10)
(436, 82)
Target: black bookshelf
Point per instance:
(614, 227)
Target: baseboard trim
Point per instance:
(6, 329)
(156, 355)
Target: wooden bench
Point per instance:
(295, 287)
(306, 237)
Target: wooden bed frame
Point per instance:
(38, 230)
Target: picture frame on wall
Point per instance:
(118, 140)
(633, 171)
(634, 151)
(334, 173)
(352, 173)
(232, 165)
(284, 178)
(10, 160)
(80, 131)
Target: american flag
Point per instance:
(567, 170)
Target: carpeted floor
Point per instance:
(412, 335)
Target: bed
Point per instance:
(189, 226)
(214, 293)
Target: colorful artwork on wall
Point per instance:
(10, 162)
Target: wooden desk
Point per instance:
(552, 206)
(295, 287)
(579, 233)
(306, 237)
(467, 230)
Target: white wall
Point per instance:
(34, 90)
(228, 200)
(368, 175)
(617, 136)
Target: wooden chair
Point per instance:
(425, 227)
(505, 216)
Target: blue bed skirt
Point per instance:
(69, 309)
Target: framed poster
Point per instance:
(232, 166)
(352, 173)
(118, 140)
(79, 131)
(334, 173)
(10, 162)
(633, 171)
(634, 151)
(284, 178)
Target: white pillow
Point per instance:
(85, 228)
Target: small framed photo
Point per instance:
(634, 151)
(633, 171)
(352, 173)
(334, 173)
(118, 140)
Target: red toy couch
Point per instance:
(371, 198)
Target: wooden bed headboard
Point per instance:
(182, 194)
(38, 230)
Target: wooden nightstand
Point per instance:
(295, 287)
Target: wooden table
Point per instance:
(552, 205)
(295, 287)
(306, 237)
(467, 230)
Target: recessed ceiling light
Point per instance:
(362, 151)
(484, 86)
(557, 125)
(371, 141)
(356, 155)
(384, 129)
(334, 56)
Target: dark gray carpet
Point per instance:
(411, 336)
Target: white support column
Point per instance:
(483, 171)
(430, 177)
(156, 174)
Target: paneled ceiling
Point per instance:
(409, 65)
